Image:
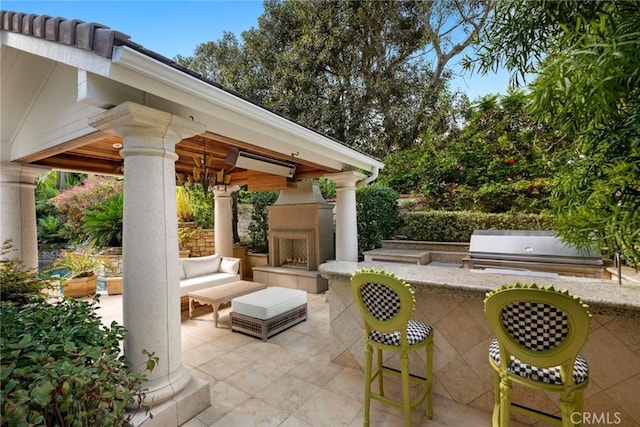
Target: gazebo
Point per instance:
(79, 96)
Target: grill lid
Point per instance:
(527, 245)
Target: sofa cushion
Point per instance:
(229, 266)
(204, 282)
(194, 267)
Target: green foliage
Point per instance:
(327, 188)
(50, 231)
(75, 201)
(371, 74)
(202, 206)
(259, 226)
(61, 366)
(82, 262)
(444, 226)
(103, 225)
(184, 204)
(185, 238)
(587, 56)
(502, 160)
(377, 210)
(18, 283)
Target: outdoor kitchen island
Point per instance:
(451, 300)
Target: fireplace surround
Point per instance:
(300, 239)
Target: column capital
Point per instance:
(131, 119)
(13, 172)
(346, 179)
(226, 193)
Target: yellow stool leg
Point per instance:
(406, 398)
(368, 354)
(380, 372)
(429, 375)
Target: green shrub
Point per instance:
(60, 366)
(203, 207)
(377, 209)
(446, 226)
(74, 202)
(18, 283)
(50, 231)
(103, 225)
(259, 226)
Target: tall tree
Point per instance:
(368, 73)
(587, 59)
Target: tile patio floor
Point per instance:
(287, 381)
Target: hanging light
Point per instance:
(202, 174)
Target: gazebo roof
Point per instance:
(57, 73)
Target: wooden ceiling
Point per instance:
(99, 153)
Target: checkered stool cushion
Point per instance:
(416, 332)
(546, 375)
(535, 325)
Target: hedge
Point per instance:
(447, 226)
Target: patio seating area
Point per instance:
(288, 380)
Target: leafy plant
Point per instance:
(259, 226)
(74, 202)
(18, 283)
(377, 209)
(185, 237)
(50, 231)
(61, 366)
(184, 204)
(82, 262)
(444, 226)
(203, 207)
(104, 224)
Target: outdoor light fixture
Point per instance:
(202, 175)
(256, 162)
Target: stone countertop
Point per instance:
(604, 297)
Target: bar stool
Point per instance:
(387, 303)
(539, 333)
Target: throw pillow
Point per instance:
(229, 266)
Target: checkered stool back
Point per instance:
(386, 301)
(537, 326)
(543, 327)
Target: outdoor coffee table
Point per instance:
(218, 295)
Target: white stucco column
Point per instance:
(346, 215)
(18, 210)
(151, 299)
(223, 221)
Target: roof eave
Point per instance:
(151, 68)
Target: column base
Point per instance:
(192, 400)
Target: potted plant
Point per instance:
(114, 279)
(185, 238)
(80, 266)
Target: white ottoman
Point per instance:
(265, 313)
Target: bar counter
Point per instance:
(451, 299)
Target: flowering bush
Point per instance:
(74, 202)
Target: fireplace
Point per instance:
(291, 250)
(300, 239)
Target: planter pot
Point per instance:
(80, 286)
(114, 285)
(184, 253)
(255, 259)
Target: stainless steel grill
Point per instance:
(537, 251)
